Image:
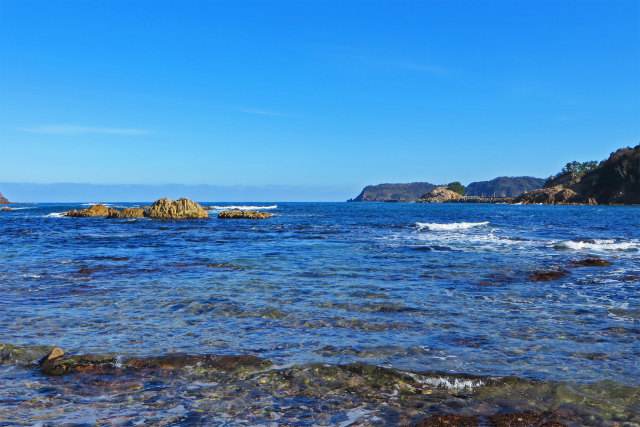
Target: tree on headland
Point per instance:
(579, 168)
(457, 187)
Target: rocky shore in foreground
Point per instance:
(241, 384)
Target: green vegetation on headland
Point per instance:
(615, 180)
(457, 187)
(500, 187)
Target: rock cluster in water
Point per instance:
(615, 181)
(3, 200)
(439, 195)
(98, 210)
(160, 209)
(176, 209)
(552, 275)
(240, 214)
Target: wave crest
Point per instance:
(454, 226)
(598, 245)
(244, 208)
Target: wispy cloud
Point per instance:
(262, 112)
(83, 130)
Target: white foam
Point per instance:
(599, 245)
(55, 215)
(244, 208)
(434, 226)
(448, 383)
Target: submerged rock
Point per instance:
(6, 209)
(94, 211)
(449, 420)
(521, 419)
(176, 209)
(439, 195)
(59, 365)
(240, 214)
(591, 262)
(547, 276)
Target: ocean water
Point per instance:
(369, 314)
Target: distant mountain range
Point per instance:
(393, 192)
(499, 187)
(504, 186)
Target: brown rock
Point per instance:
(449, 421)
(56, 353)
(6, 209)
(239, 214)
(98, 210)
(556, 195)
(439, 195)
(106, 363)
(591, 262)
(176, 209)
(520, 419)
(128, 213)
(3, 200)
(547, 276)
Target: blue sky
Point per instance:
(313, 93)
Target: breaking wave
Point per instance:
(599, 245)
(243, 208)
(454, 226)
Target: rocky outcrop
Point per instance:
(3, 200)
(161, 209)
(94, 211)
(127, 213)
(504, 186)
(176, 209)
(393, 192)
(240, 214)
(615, 181)
(439, 195)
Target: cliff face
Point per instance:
(3, 200)
(615, 181)
(439, 195)
(504, 186)
(393, 192)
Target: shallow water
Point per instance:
(439, 288)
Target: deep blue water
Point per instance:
(390, 284)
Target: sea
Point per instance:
(360, 313)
